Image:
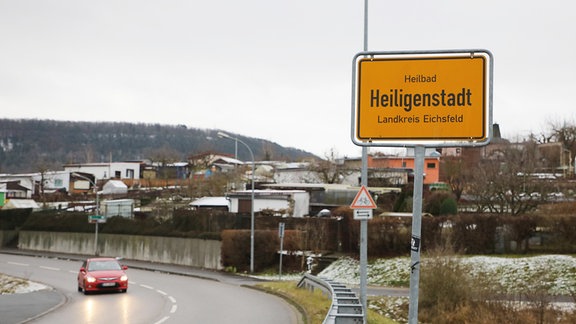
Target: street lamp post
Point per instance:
(97, 209)
(224, 135)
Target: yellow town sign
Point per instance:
(438, 98)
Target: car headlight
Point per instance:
(90, 279)
(124, 278)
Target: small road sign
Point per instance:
(362, 214)
(363, 200)
(93, 219)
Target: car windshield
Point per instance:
(103, 265)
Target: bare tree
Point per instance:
(328, 170)
(505, 182)
(216, 184)
(214, 181)
(162, 157)
(44, 166)
(564, 132)
(200, 162)
(456, 174)
(557, 146)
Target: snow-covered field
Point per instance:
(556, 272)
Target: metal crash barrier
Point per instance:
(346, 307)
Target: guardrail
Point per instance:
(346, 307)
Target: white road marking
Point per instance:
(18, 263)
(163, 320)
(49, 268)
(174, 307)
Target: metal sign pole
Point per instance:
(96, 252)
(281, 235)
(96, 240)
(419, 152)
(364, 222)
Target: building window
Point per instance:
(130, 173)
(117, 174)
(431, 165)
(403, 164)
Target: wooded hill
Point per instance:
(30, 145)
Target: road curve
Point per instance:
(168, 296)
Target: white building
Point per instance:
(296, 172)
(52, 181)
(292, 203)
(115, 170)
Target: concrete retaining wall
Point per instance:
(181, 251)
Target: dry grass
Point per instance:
(449, 294)
(314, 304)
(560, 208)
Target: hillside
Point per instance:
(29, 145)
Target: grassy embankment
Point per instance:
(313, 304)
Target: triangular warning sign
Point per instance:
(363, 200)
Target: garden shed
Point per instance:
(114, 187)
(118, 207)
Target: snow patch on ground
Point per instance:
(13, 285)
(30, 287)
(556, 271)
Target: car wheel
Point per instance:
(79, 288)
(123, 290)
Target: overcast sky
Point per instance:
(277, 70)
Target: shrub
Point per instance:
(448, 207)
(235, 250)
(58, 222)
(474, 234)
(11, 219)
(441, 202)
(389, 236)
(445, 284)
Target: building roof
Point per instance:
(13, 186)
(210, 202)
(263, 193)
(20, 204)
(226, 159)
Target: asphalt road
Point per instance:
(170, 294)
(20, 308)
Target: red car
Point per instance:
(102, 274)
